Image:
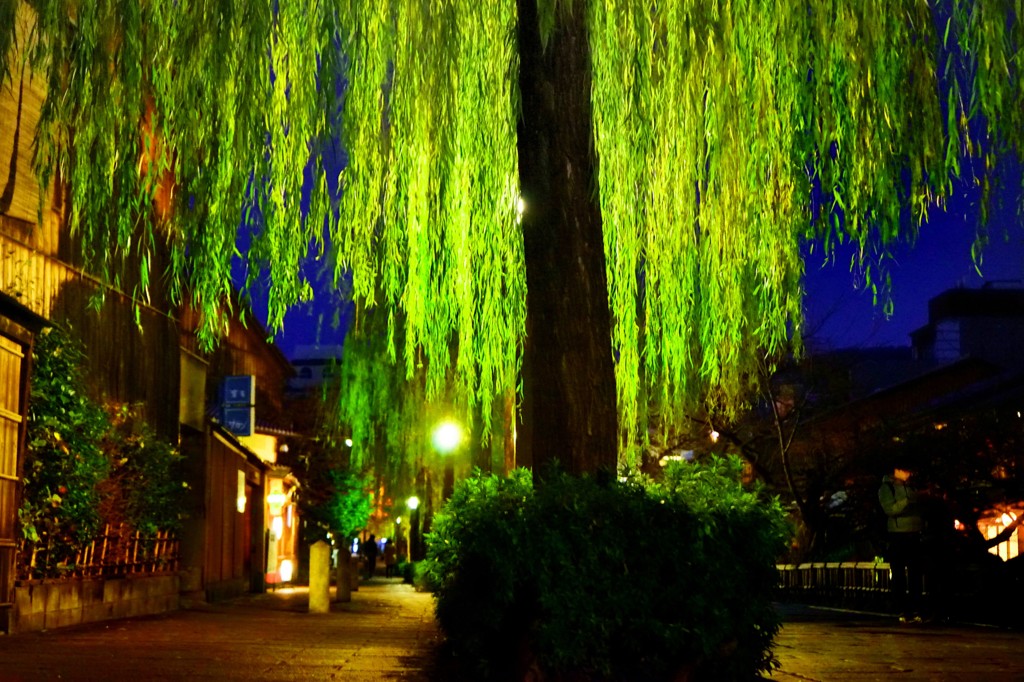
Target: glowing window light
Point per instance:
(993, 526)
(240, 500)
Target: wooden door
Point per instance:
(12, 394)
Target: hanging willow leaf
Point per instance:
(724, 131)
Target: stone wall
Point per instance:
(45, 605)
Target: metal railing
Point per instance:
(859, 582)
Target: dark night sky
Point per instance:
(840, 315)
(321, 322)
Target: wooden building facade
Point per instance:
(139, 352)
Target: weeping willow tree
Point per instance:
(391, 420)
(380, 408)
(610, 195)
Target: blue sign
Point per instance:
(238, 420)
(238, 390)
(237, 400)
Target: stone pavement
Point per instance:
(387, 632)
(818, 644)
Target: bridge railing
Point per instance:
(849, 582)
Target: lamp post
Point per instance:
(413, 503)
(446, 438)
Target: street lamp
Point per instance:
(413, 503)
(447, 436)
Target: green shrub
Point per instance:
(336, 501)
(608, 580)
(63, 462)
(85, 465)
(146, 484)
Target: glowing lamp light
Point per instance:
(447, 436)
(277, 527)
(398, 520)
(286, 570)
(714, 436)
(413, 503)
(348, 442)
(276, 501)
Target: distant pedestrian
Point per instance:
(390, 559)
(369, 550)
(899, 501)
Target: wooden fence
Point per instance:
(118, 552)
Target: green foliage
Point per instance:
(336, 503)
(609, 580)
(8, 26)
(372, 397)
(742, 129)
(335, 497)
(146, 475)
(85, 466)
(63, 462)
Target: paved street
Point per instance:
(388, 633)
(819, 644)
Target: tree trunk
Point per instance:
(568, 377)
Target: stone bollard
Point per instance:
(342, 577)
(354, 573)
(320, 577)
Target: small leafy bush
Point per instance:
(596, 579)
(86, 465)
(146, 487)
(64, 463)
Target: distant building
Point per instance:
(985, 323)
(965, 369)
(313, 366)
